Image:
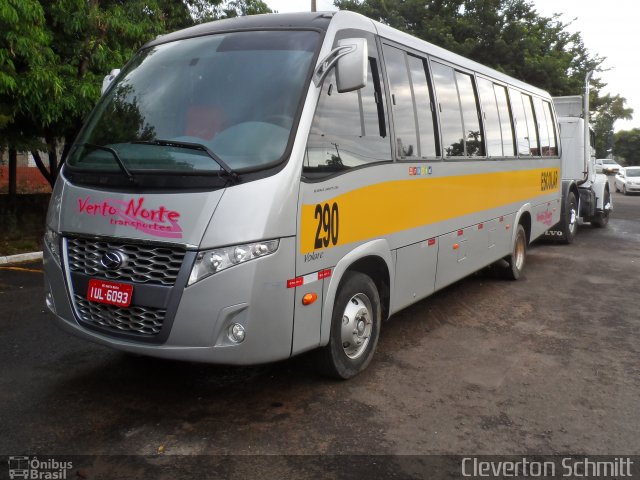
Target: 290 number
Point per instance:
(328, 220)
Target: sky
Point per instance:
(609, 29)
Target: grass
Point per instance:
(23, 238)
(21, 229)
(13, 246)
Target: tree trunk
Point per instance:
(42, 168)
(13, 168)
(53, 159)
(50, 173)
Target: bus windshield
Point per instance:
(235, 95)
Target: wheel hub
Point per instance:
(356, 325)
(520, 252)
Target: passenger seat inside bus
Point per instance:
(204, 121)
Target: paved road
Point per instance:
(547, 364)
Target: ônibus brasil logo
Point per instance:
(159, 222)
(33, 468)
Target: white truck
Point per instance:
(585, 193)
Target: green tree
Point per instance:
(626, 144)
(25, 83)
(236, 8)
(55, 53)
(608, 109)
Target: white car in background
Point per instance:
(607, 166)
(627, 180)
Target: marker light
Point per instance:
(309, 298)
(213, 261)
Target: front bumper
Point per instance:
(253, 294)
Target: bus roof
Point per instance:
(340, 19)
(317, 20)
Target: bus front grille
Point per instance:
(134, 319)
(146, 263)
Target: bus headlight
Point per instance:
(52, 239)
(213, 261)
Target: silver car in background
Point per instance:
(627, 180)
(607, 166)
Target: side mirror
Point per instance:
(108, 79)
(351, 71)
(350, 58)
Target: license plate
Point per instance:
(111, 293)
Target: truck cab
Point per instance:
(585, 191)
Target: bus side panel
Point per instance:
(545, 215)
(472, 248)
(415, 272)
(308, 317)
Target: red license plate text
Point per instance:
(111, 293)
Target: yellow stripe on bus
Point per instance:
(384, 208)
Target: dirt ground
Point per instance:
(545, 365)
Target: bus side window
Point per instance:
(543, 128)
(522, 129)
(474, 144)
(348, 129)
(425, 110)
(506, 121)
(459, 112)
(531, 122)
(551, 125)
(449, 106)
(403, 108)
(491, 118)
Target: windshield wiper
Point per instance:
(113, 152)
(194, 146)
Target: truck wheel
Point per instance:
(601, 219)
(518, 256)
(569, 223)
(355, 327)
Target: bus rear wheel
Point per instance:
(355, 328)
(518, 256)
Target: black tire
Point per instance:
(356, 291)
(615, 185)
(517, 258)
(624, 189)
(601, 219)
(569, 222)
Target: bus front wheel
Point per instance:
(518, 256)
(355, 327)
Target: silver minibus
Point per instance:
(253, 188)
